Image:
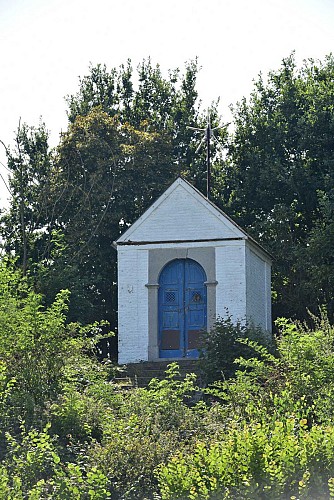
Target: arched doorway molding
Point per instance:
(158, 259)
(182, 309)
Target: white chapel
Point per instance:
(183, 264)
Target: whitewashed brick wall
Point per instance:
(132, 304)
(182, 214)
(231, 288)
(243, 291)
(258, 290)
(268, 297)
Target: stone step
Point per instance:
(142, 373)
(123, 383)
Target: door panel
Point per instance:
(170, 340)
(182, 309)
(194, 341)
(170, 317)
(195, 307)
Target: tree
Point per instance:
(125, 144)
(107, 174)
(317, 256)
(155, 104)
(26, 227)
(281, 156)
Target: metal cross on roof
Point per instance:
(208, 134)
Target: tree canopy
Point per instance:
(127, 140)
(281, 175)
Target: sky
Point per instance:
(46, 45)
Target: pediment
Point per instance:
(182, 213)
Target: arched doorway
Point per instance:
(182, 308)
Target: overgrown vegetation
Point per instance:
(264, 426)
(262, 430)
(222, 345)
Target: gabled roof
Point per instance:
(183, 214)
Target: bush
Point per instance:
(221, 347)
(307, 359)
(264, 430)
(32, 339)
(6, 389)
(33, 470)
(277, 461)
(143, 429)
(37, 345)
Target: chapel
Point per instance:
(182, 265)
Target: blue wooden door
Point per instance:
(182, 309)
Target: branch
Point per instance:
(5, 183)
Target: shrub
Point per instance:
(276, 461)
(33, 470)
(221, 347)
(32, 339)
(143, 429)
(307, 359)
(40, 350)
(6, 388)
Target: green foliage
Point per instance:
(38, 349)
(296, 379)
(33, 470)
(78, 416)
(152, 102)
(264, 432)
(7, 385)
(142, 429)
(308, 357)
(264, 429)
(283, 460)
(25, 227)
(222, 346)
(317, 255)
(127, 140)
(98, 159)
(33, 341)
(272, 433)
(280, 164)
